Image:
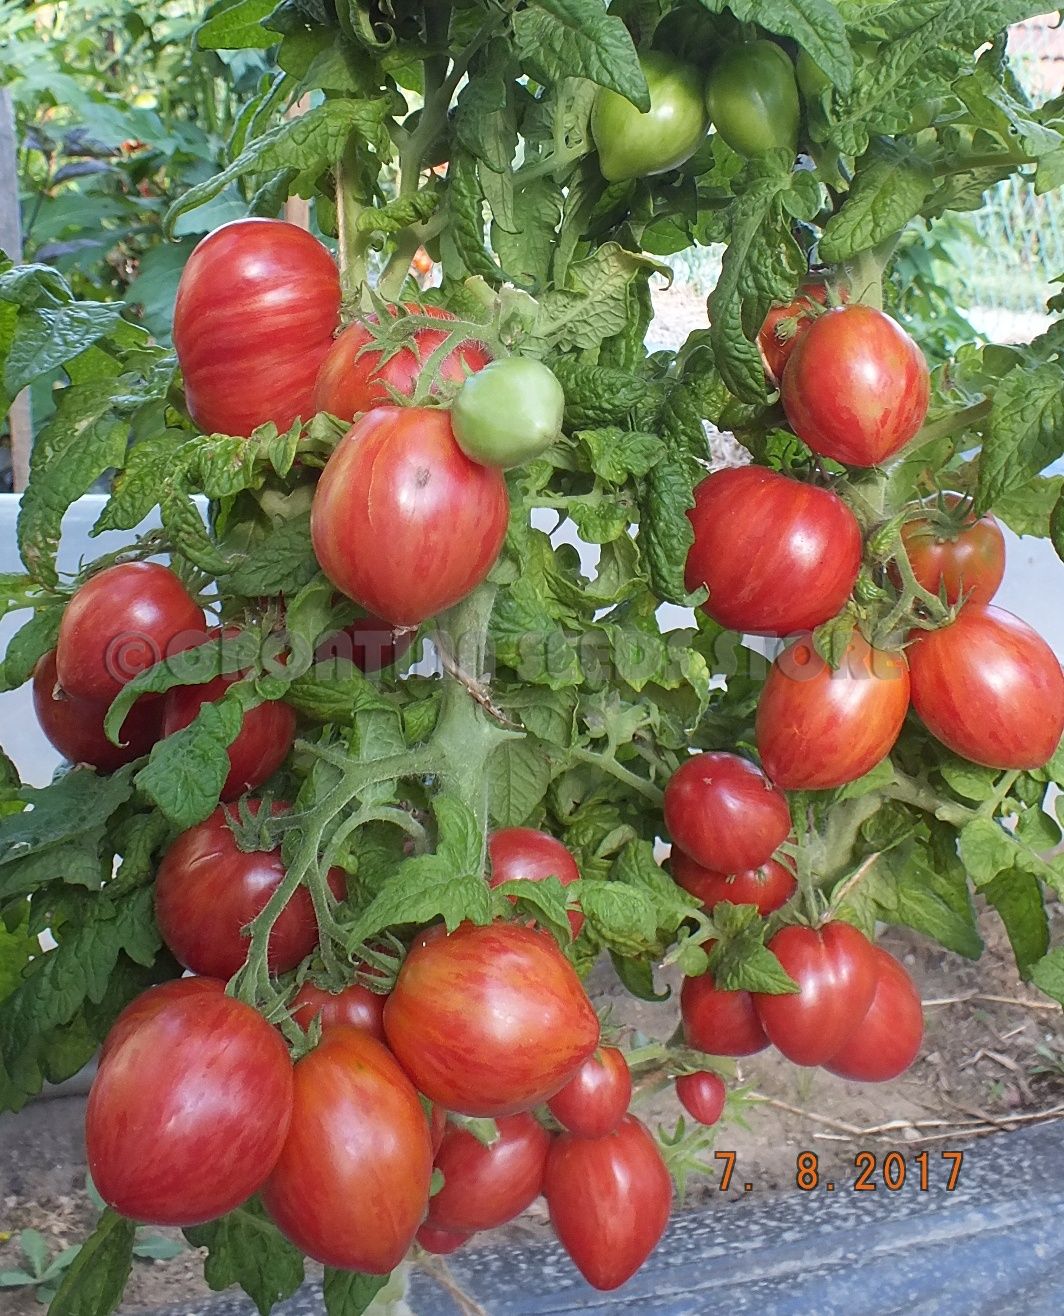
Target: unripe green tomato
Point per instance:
(634, 145)
(812, 80)
(752, 98)
(509, 412)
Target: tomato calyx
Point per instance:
(256, 824)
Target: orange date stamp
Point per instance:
(890, 1171)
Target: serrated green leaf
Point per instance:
(1017, 897)
(520, 775)
(543, 898)
(245, 1247)
(617, 454)
(30, 643)
(986, 849)
(95, 1280)
(238, 27)
(890, 188)
(622, 918)
(347, 1293)
(559, 39)
(665, 532)
(1025, 432)
(186, 772)
(282, 563)
(814, 24)
(49, 337)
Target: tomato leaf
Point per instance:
(544, 899)
(814, 24)
(1017, 897)
(75, 806)
(1025, 433)
(521, 774)
(245, 1247)
(1048, 974)
(986, 849)
(1056, 526)
(621, 918)
(421, 890)
(348, 1293)
(890, 187)
(31, 642)
(95, 1280)
(617, 454)
(282, 563)
(49, 337)
(559, 39)
(238, 26)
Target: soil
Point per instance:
(993, 1059)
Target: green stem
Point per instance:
(354, 246)
(607, 763)
(964, 164)
(910, 791)
(867, 269)
(956, 422)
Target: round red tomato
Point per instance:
(490, 1020)
(522, 852)
(75, 726)
(369, 643)
(718, 1022)
(725, 813)
(609, 1200)
(486, 1186)
(208, 890)
(836, 975)
(352, 380)
(777, 555)
(856, 387)
(355, 1005)
(152, 1001)
(402, 521)
(189, 1109)
(352, 1183)
(596, 1098)
(966, 561)
(817, 728)
(767, 887)
(441, 1242)
(990, 688)
(702, 1095)
(887, 1039)
(262, 744)
(122, 621)
(257, 305)
(786, 324)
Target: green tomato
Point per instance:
(509, 412)
(812, 80)
(632, 144)
(752, 98)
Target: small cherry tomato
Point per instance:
(509, 412)
(702, 1095)
(965, 560)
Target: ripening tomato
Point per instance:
(990, 688)
(490, 1020)
(257, 305)
(353, 380)
(966, 560)
(725, 813)
(596, 1098)
(702, 1095)
(777, 555)
(151, 1002)
(267, 732)
(369, 643)
(189, 1109)
(721, 1023)
(509, 413)
(352, 1182)
(767, 887)
(486, 1186)
(817, 728)
(522, 852)
(441, 1242)
(122, 621)
(356, 1005)
(835, 970)
(856, 387)
(609, 1200)
(886, 1041)
(75, 726)
(635, 144)
(784, 325)
(208, 890)
(752, 98)
(403, 522)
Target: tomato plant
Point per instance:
(494, 196)
(609, 1200)
(256, 309)
(777, 556)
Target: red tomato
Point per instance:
(785, 325)
(369, 643)
(968, 563)
(702, 1095)
(609, 1200)
(356, 1005)
(122, 621)
(767, 887)
(725, 813)
(189, 1108)
(442, 1242)
(255, 313)
(887, 1039)
(402, 521)
(817, 728)
(208, 890)
(777, 555)
(718, 1022)
(990, 688)
(596, 1098)
(352, 380)
(75, 726)
(151, 1002)
(836, 975)
(522, 852)
(490, 1020)
(437, 1126)
(856, 387)
(486, 1186)
(352, 1183)
(262, 743)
